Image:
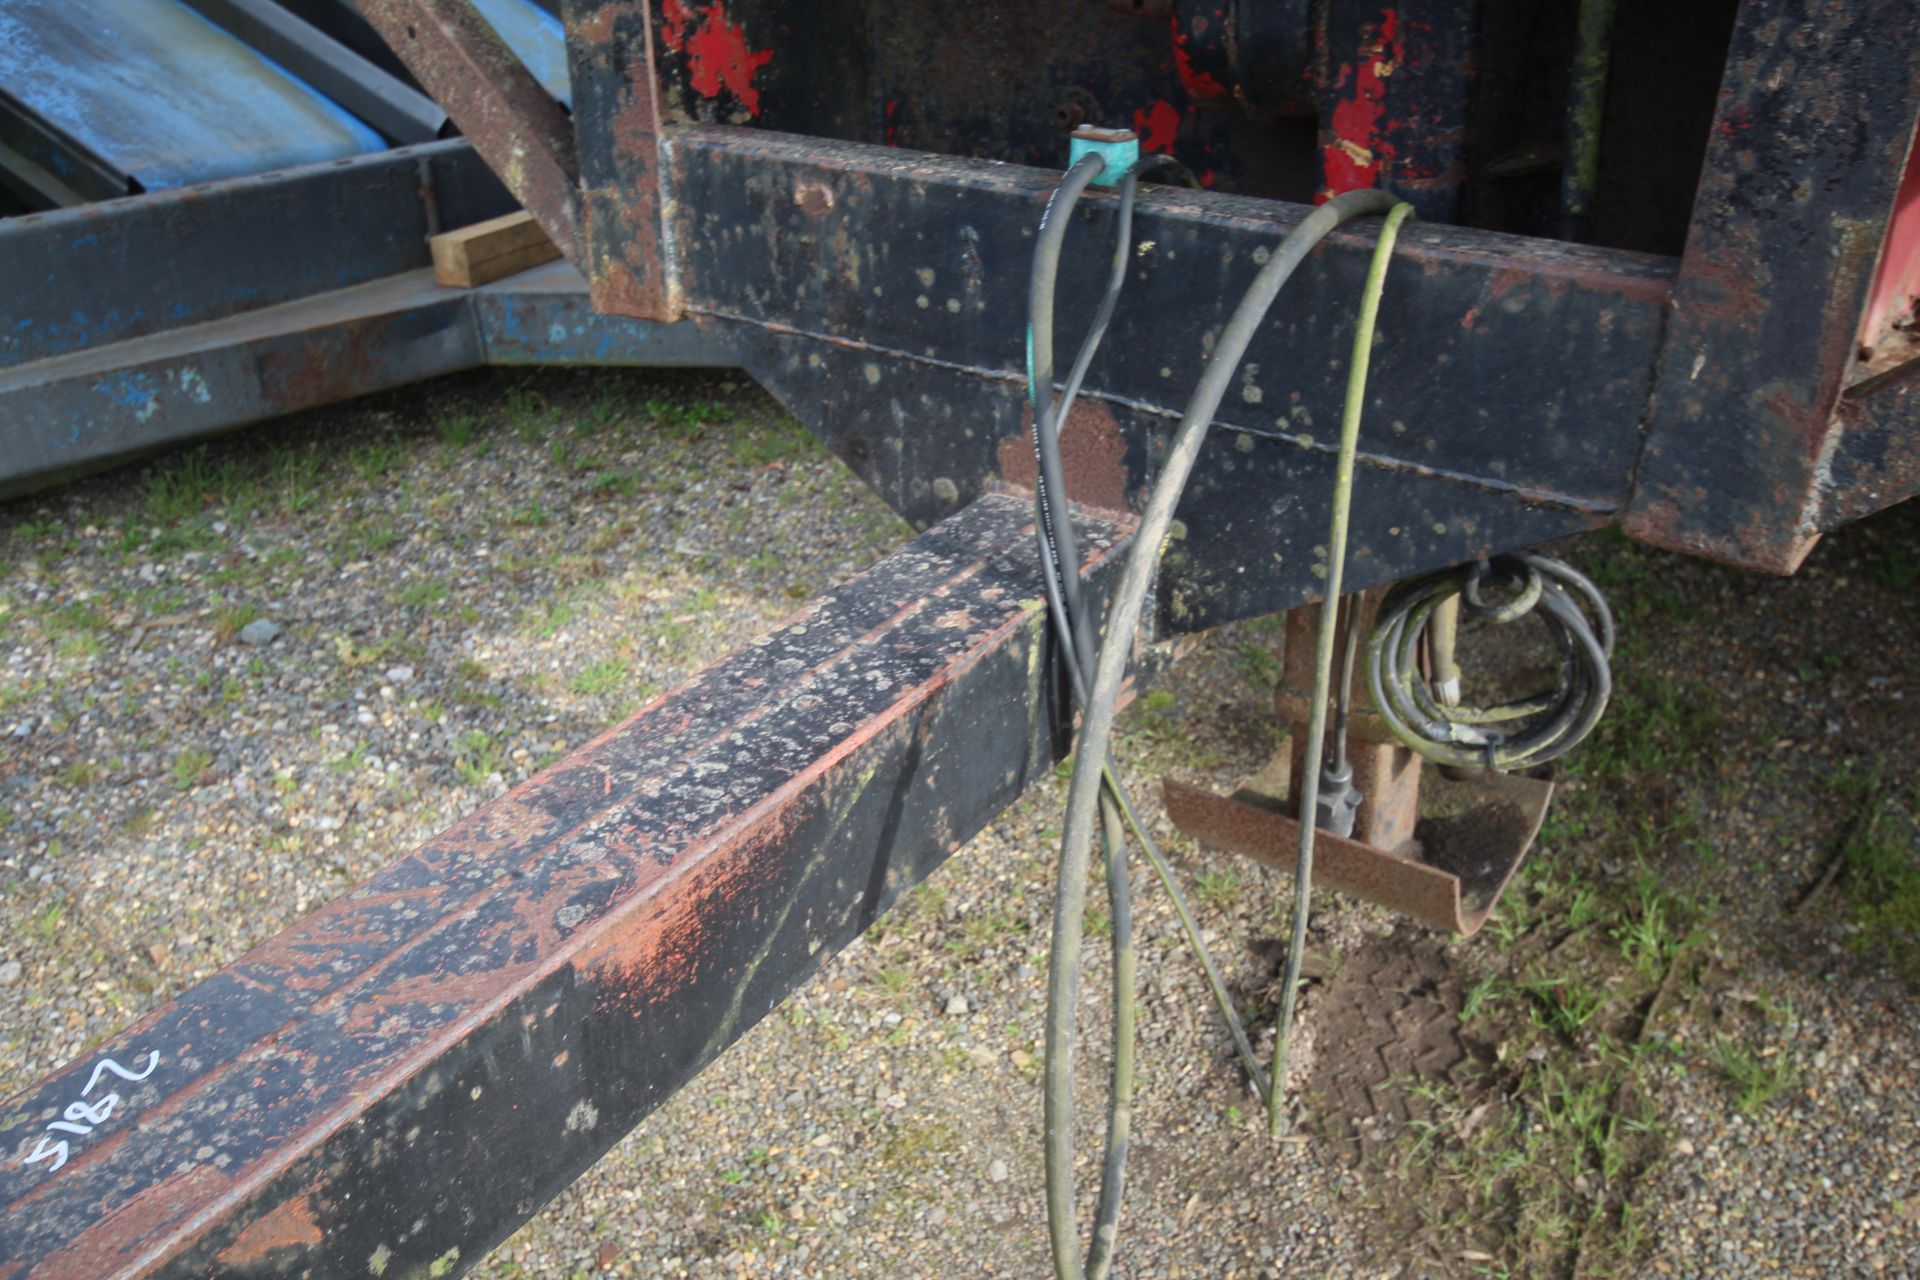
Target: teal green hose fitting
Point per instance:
(1119, 148)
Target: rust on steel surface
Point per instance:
(395, 1083)
(612, 63)
(1385, 773)
(1093, 456)
(517, 128)
(1463, 857)
(1877, 460)
(1809, 144)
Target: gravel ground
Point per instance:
(466, 580)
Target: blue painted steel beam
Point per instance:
(536, 38)
(87, 408)
(400, 112)
(98, 362)
(164, 96)
(106, 273)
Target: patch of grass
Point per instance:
(422, 592)
(46, 924)
(1156, 715)
(1218, 889)
(1098, 925)
(352, 762)
(1584, 907)
(36, 530)
(457, 428)
(557, 614)
(1880, 856)
(293, 479)
(1654, 927)
(178, 491)
(919, 1145)
(599, 415)
(78, 774)
(623, 483)
(526, 411)
(1757, 1078)
(600, 678)
(1562, 1004)
(228, 619)
(189, 767)
(1259, 664)
(77, 617)
(895, 981)
(982, 930)
(683, 421)
(368, 538)
(352, 653)
(1656, 725)
(1479, 996)
(760, 444)
(1540, 1171)
(375, 460)
(479, 758)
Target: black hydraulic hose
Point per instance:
(1078, 652)
(1519, 734)
(1116, 280)
(1060, 563)
(1050, 478)
(1053, 514)
(1096, 734)
(1050, 490)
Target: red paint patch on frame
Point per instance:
(1158, 126)
(718, 56)
(1351, 160)
(1200, 85)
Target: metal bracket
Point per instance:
(1462, 857)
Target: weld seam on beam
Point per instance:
(1379, 462)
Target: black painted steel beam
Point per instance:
(394, 1084)
(1747, 450)
(881, 295)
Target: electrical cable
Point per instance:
(1089, 785)
(1337, 803)
(1323, 650)
(1520, 734)
(1060, 562)
(1343, 693)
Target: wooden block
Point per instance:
(490, 250)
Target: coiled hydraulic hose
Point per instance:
(1519, 734)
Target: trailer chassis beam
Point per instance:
(393, 1085)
